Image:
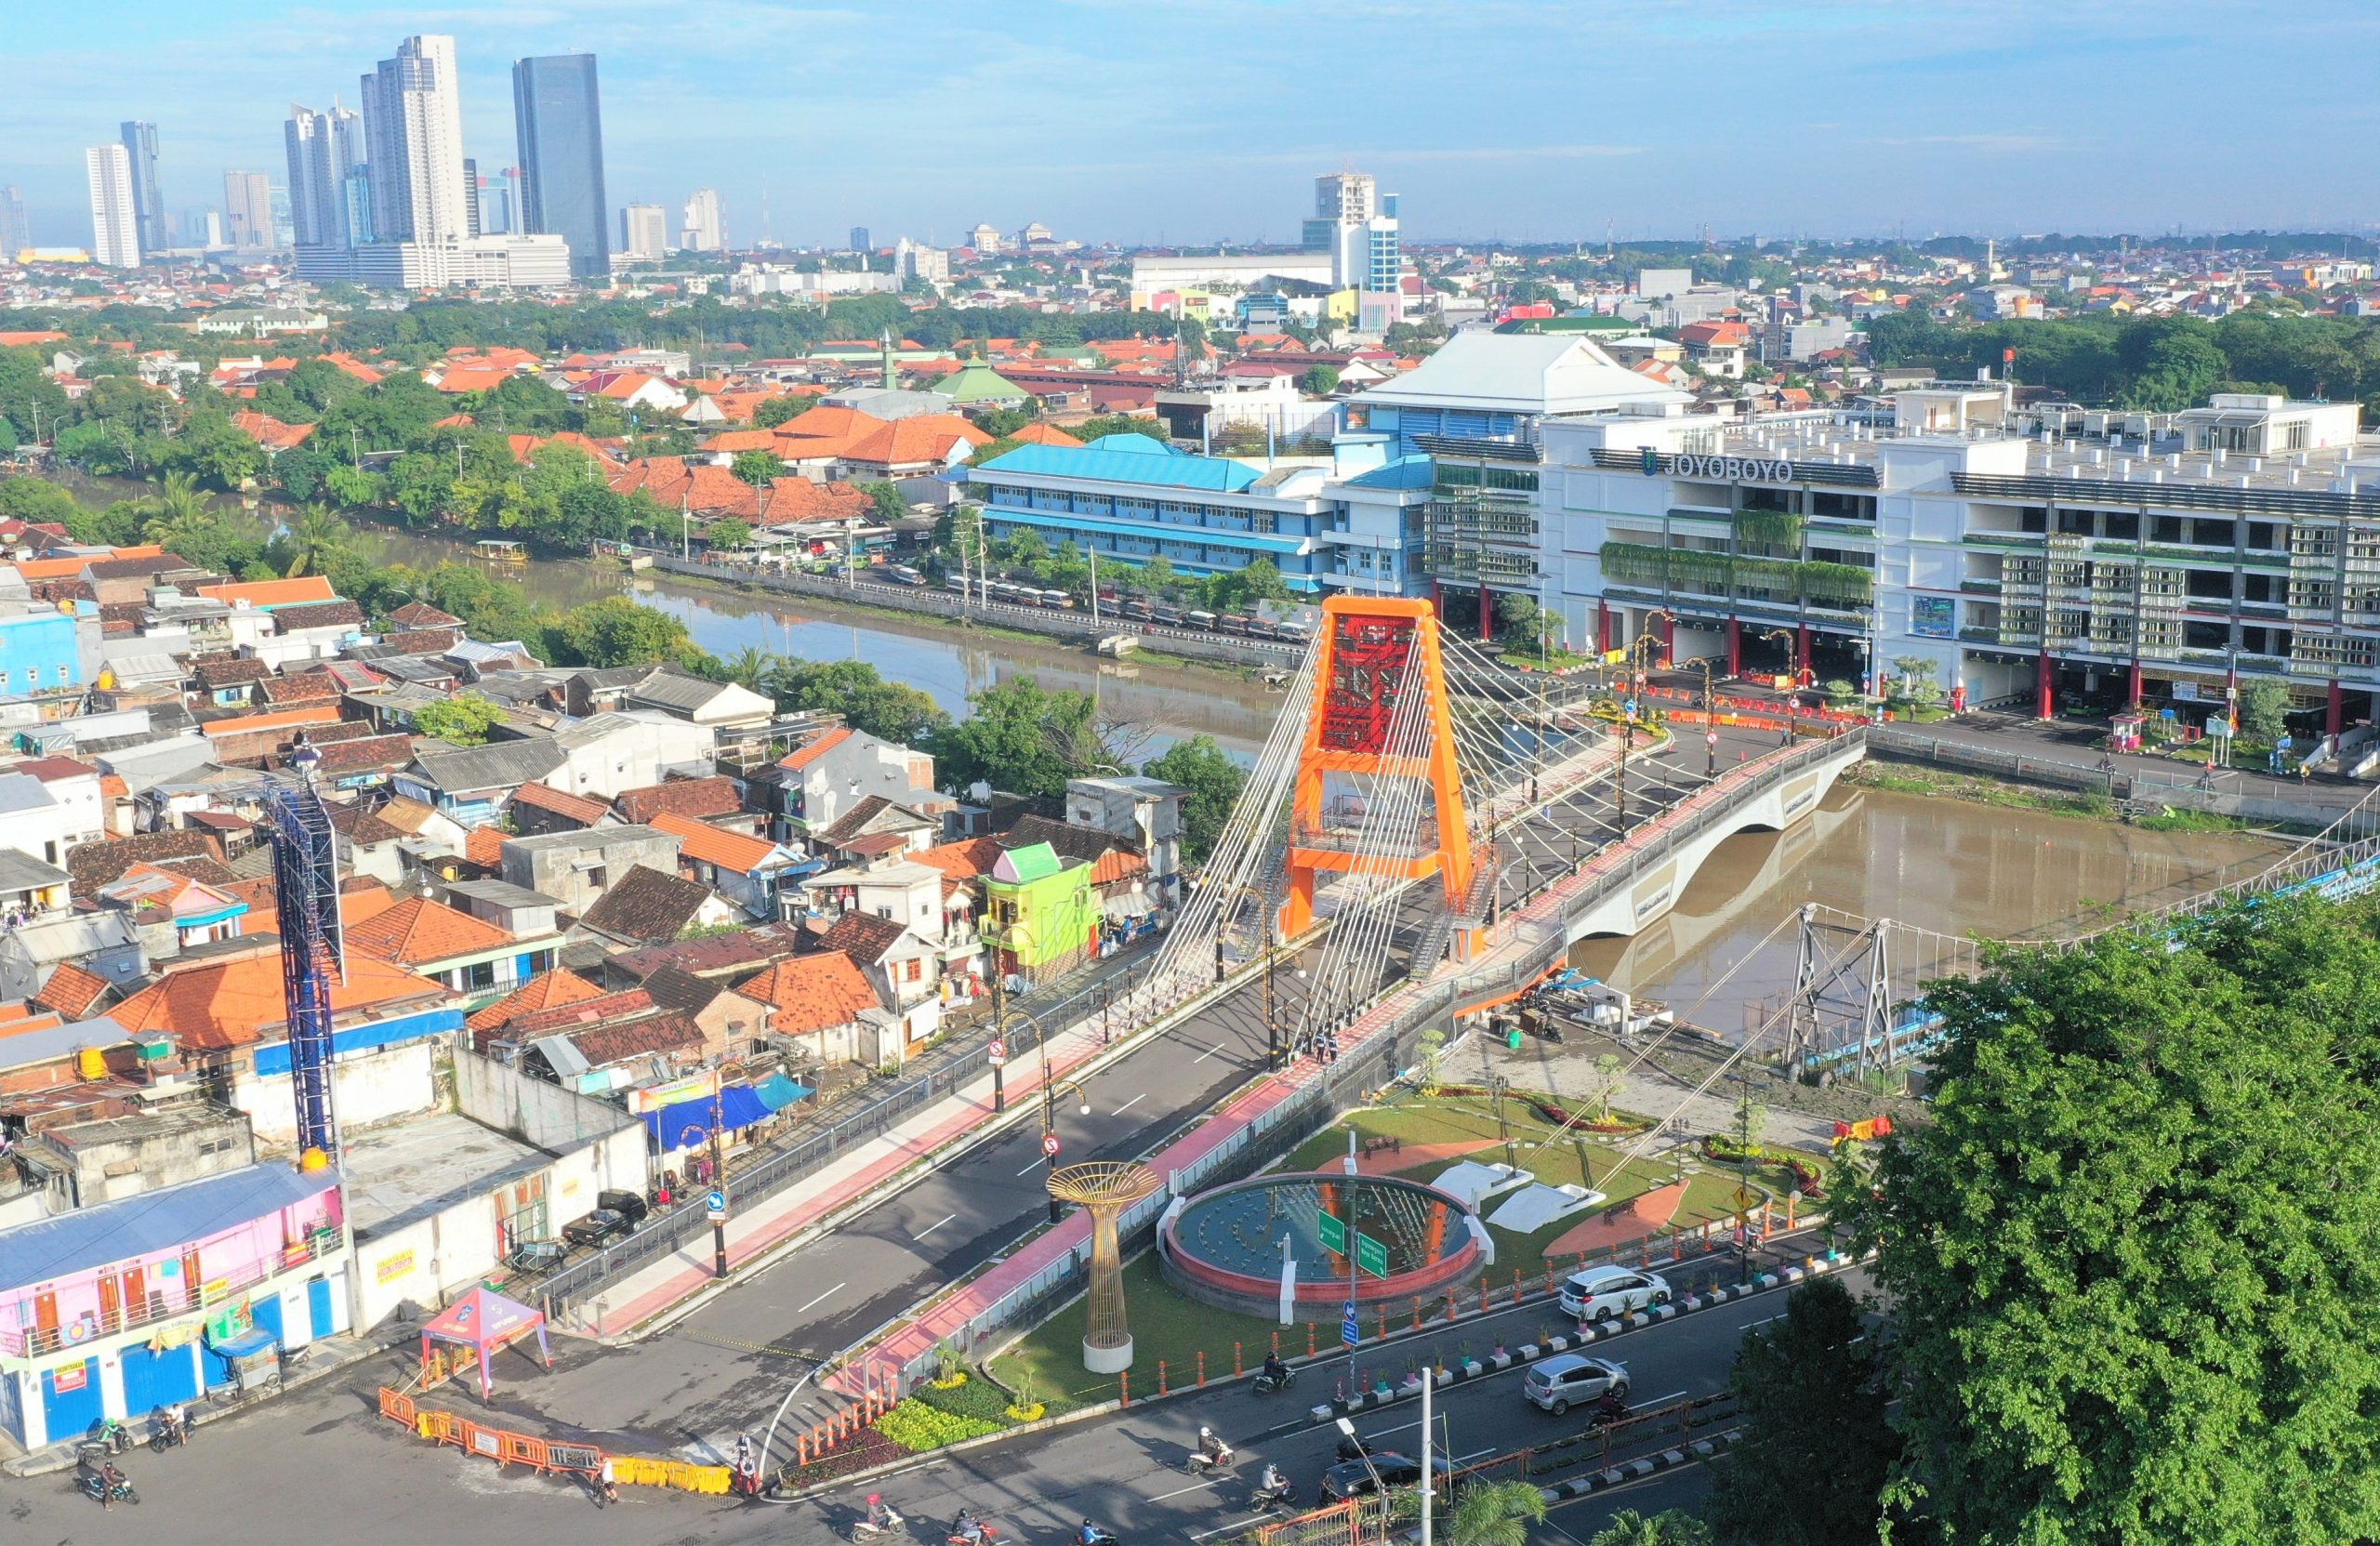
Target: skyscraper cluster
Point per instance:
(392, 198)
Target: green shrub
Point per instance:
(917, 1427)
(977, 1399)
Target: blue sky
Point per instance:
(1200, 119)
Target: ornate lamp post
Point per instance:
(1106, 1188)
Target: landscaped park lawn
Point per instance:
(1168, 1327)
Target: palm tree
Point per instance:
(1495, 1514)
(1670, 1527)
(178, 500)
(749, 667)
(316, 538)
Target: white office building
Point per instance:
(1357, 227)
(706, 222)
(644, 234)
(413, 122)
(2037, 558)
(508, 262)
(115, 225)
(326, 150)
(911, 261)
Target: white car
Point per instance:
(1606, 1293)
(1568, 1380)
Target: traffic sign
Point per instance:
(1630, 709)
(1372, 1255)
(997, 1050)
(1334, 1233)
(716, 1201)
(1710, 737)
(1049, 1145)
(1350, 1330)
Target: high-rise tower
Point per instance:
(115, 229)
(413, 125)
(325, 151)
(556, 113)
(148, 198)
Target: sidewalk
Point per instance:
(680, 1280)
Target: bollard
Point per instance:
(1644, 1257)
(1417, 1312)
(1309, 1338)
(1516, 1285)
(1235, 1361)
(1161, 1377)
(800, 1450)
(1276, 1343)
(1549, 1277)
(1202, 1368)
(1125, 1380)
(1382, 1315)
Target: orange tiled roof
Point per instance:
(310, 587)
(962, 861)
(282, 718)
(728, 851)
(269, 431)
(827, 741)
(418, 931)
(484, 845)
(1045, 434)
(924, 438)
(813, 992)
(217, 1008)
(526, 446)
(743, 439)
(544, 991)
(357, 368)
(71, 992)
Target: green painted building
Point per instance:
(1041, 913)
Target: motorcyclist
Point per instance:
(1272, 1483)
(178, 1421)
(110, 1480)
(1092, 1535)
(880, 1512)
(1275, 1371)
(966, 1527)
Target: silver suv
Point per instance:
(1606, 1293)
(1568, 1379)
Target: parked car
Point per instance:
(1353, 1478)
(1606, 1293)
(628, 1205)
(1570, 1380)
(596, 1228)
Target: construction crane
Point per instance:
(313, 955)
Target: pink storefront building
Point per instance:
(120, 1308)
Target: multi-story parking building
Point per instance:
(2032, 555)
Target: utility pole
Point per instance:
(1094, 587)
(1619, 800)
(1000, 1033)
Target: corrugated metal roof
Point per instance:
(1097, 461)
(152, 1224)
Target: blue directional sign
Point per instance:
(716, 1202)
(1350, 1330)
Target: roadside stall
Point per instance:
(485, 1322)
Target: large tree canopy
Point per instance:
(2133, 1263)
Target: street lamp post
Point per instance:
(1710, 717)
(1050, 1121)
(1792, 672)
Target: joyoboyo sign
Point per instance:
(1733, 469)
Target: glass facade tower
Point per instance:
(557, 115)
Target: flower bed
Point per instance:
(916, 1427)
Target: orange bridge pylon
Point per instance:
(1374, 652)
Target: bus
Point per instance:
(1204, 621)
(1166, 617)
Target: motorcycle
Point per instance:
(112, 1434)
(991, 1532)
(165, 1432)
(1201, 1463)
(867, 1529)
(1265, 1498)
(1266, 1385)
(101, 1481)
(1606, 1411)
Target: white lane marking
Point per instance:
(828, 1294)
(1131, 1103)
(1030, 1169)
(1466, 1459)
(1179, 1491)
(936, 1224)
(1204, 1055)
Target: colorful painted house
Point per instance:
(1041, 913)
(113, 1310)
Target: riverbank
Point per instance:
(1911, 779)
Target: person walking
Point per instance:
(610, 1490)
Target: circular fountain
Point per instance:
(1226, 1247)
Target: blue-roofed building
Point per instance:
(1134, 498)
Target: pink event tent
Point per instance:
(486, 1320)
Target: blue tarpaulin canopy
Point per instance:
(686, 1124)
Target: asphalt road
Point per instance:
(323, 1465)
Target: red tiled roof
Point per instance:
(812, 993)
(962, 861)
(577, 807)
(582, 1012)
(696, 798)
(72, 992)
(217, 1008)
(484, 845)
(547, 990)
